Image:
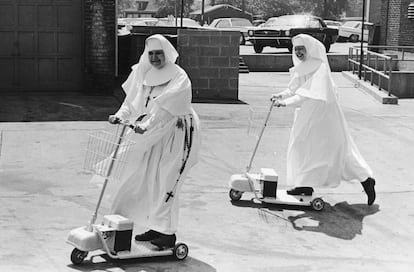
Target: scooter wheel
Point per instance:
(235, 195)
(180, 251)
(78, 256)
(318, 204)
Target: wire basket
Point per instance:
(256, 119)
(106, 154)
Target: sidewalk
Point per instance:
(45, 193)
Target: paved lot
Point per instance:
(44, 193)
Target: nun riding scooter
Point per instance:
(113, 236)
(264, 184)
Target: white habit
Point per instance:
(154, 162)
(321, 151)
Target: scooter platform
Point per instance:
(283, 198)
(144, 249)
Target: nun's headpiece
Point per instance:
(315, 54)
(155, 76)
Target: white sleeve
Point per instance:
(160, 116)
(124, 111)
(294, 100)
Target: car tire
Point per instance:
(242, 40)
(327, 45)
(258, 48)
(353, 38)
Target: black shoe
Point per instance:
(307, 191)
(164, 241)
(148, 236)
(369, 189)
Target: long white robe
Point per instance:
(321, 151)
(154, 161)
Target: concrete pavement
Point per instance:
(44, 193)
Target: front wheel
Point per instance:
(78, 256)
(235, 195)
(242, 41)
(258, 48)
(180, 251)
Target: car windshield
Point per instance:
(293, 21)
(241, 22)
(171, 22)
(351, 24)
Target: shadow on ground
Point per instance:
(41, 106)
(158, 264)
(343, 220)
(69, 106)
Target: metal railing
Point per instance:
(374, 64)
(403, 53)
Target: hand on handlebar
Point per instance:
(112, 119)
(139, 129)
(276, 97)
(279, 103)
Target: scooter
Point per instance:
(264, 184)
(113, 235)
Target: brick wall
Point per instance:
(406, 26)
(99, 39)
(396, 28)
(211, 59)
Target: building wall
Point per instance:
(99, 33)
(396, 28)
(211, 59)
(374, 11)
(406, 34)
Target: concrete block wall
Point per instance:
(99, 40)
(396, 28)
(211, 59)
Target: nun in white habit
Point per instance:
(321, 151)
(158, 94)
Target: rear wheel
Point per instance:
(258, 48)
(354, 38)
(180, 251)
(318, 204)
(327, 44)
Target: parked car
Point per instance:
(352, 31)
(240, 24)
(332, 23)
(187, 22)
(137, 21)
(278, 32)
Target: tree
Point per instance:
(170, 7)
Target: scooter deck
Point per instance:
(283, 198)
(144, 249)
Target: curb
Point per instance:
(365, 86)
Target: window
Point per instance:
(223, 24)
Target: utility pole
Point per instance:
(202, 12)
(182, 13)
(361, 56)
